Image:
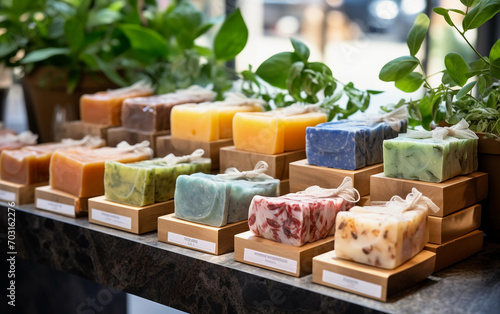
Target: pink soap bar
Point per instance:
(292, 220)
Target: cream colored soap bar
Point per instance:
(105, 108)
(80, 172)
(208, 122)
(273, 132)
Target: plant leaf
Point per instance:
(447, 80)
(300, 49)
(457, 68)
(203, 29)
(102, 17)
(458, 11)
(75, 33)
(481, 84)
(495, 68)
(398, 68)
(109, 71)
(445, 13)
(417, 33)
(374, 92)
(145, 40)
(468, 3)
(43, 54)
(275, 69)
(231, 38)
(495, 51)
(484, 11)
(464, 90)
(410, 83)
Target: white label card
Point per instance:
(112, 219)
(7, 196)
(55, 207)
(192, 242)
(269, 260)
(352, 284)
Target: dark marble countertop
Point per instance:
(190, 280)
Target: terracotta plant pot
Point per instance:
(45, 88)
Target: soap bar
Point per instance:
(80, 172)
(272, 133)
(209, 121)
(146, 182)
(105, 108)
(428, 159)
(150, 114)
(215, 201)
(294, 221)
(347, 145)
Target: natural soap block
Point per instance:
(105, 108)
(80, 172)
(384, 236)
(209, 121)
(273, 132)
(152, 114)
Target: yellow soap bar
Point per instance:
(105, 108)
(206, 122)
(80, 172)
(272, 133)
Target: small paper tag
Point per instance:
(7, 196)
(55, 207)
(269, 260)
(352, 284)
(192, 242)
(112, 219)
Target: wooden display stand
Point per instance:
(287, 259)
(364, 201)
(369, 281)
(450, 196)
(59, 202)
(284, 187)
(18, 193)
(447, 228)
(179, 147)
(116, 135)
(79, 129)
(303, 175)
(456, 250)
(133, 219)
(244, 161)
(204, 238)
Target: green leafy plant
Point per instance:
(455, 98)
(289, 77)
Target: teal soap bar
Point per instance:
(428, 159)
(215, 200)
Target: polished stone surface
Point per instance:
(197, 282)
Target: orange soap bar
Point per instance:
(105, 108)
(80, 172)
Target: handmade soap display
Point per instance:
(432, 156)
(210, 121)
(152, 113)
(384, 236)
(275, 131)
(146, 182)
(301, 217)
(80, 172)
(105, 108)
(217, 200)
(10, 140)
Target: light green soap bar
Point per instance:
(129, 184)
(429, 160)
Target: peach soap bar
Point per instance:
(208, 122)
(271, 132)
(80, 172)
(105, 108)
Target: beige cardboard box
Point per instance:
(286, 259)
(369, 281)
(450, 196)
(133, 219)
(59, 202)
(303, 175)
(18, 193)
(207, 239)
(116, 135)
(456, 250)
(447, 228)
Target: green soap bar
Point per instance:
(429, 160)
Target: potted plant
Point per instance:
(467, 90)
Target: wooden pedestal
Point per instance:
(167, 144)
(18, 193)
(450, 196)
(244, 161)
(116, 135)
(59, 202)
(364, 201)
(79, 129)
(286, 259)
(133, 219)
(207, 239)
(284, 187)
(303, 175)
(372, 282)
(447, 228)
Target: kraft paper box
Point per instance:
(372, 282)
(450, 227)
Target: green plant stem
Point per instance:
(470, 45)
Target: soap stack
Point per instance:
(442, 165)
